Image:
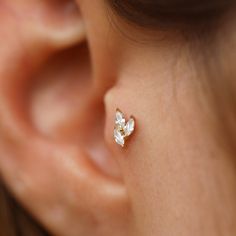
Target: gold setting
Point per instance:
(123, 129)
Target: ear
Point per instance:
(53, 155)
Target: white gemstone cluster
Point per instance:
(122, 128)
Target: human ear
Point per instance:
(53, 155)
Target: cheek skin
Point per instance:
(167, 164)
(167, 160)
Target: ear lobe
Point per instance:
(52, 125)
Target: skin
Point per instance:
(65, 68)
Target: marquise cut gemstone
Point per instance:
(119, 138)
(129, 127)
(120, 120)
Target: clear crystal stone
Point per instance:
(119, 138)
(122, 129)
(120, 120)
(129, 127)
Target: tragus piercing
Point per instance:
(123, 129)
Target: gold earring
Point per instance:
(123, 129)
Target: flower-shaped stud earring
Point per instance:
(123, 129)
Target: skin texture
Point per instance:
(64, 69)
